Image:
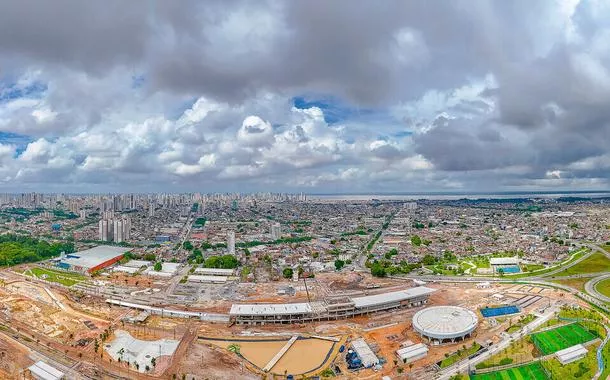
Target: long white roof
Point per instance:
(401, 295)
(365, 353)
(567, 354)
(271, 309)
(503, 260)
(412, 351)
(45, 371)
(95, 256)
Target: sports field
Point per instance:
(497, 311)
(551, 341)
(532, 371)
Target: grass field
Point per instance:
(597, 262)
(585, 368)
(604, 287)
(576, 283)
(533, 371)
(64, 278)
(459, 355)
(557, 339)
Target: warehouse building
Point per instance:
(207, 279)
(571, 354)
(364, 352)
(42, 371)
(214, 271)
(412, 352)
(93, 259)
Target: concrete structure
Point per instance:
(330, 308)
(412, 352)
(445, 324)
(207, 279)
(571, 354)
(231, 242)
(214, 271)
(208, 317)
(276, 231)
(103, 230)
(93, 259)
(42, 371)
(364, 352)
(118, 230)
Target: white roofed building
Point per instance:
(412, 352)
(571, 354)
(42, 371)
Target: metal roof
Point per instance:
(365, 353)
(504, 261)
(202, 278)
(270, 309)
(95, 256)
(214, 271)
(412, 351)
(445, 322)
(44, 371)
(571, 353)
(401, 295)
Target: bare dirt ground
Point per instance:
(13, 357)
(214, 363)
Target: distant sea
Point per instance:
(456, 196)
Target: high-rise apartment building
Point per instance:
(231, 242)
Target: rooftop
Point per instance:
(401, 295)
(270, 309)
(95, 256)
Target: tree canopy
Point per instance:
(16, 249)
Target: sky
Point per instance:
(304, 96)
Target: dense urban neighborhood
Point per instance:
(243, 285)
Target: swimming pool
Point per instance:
(497, 311)
(510, 269)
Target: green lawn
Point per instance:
(604, 287)
(64, 278)
(459, 355)
(533, 371)
(531, 267)
(597, 262)
(522, 321)
(557, 339)
(580, 369)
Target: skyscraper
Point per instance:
(231, 242)
(103, 230)
(276, 231)
(118, 231)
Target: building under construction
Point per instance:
(329, 309)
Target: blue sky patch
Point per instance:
(13, 91)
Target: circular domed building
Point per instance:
(445, 324)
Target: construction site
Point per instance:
(107, 327)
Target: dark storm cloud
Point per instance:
(543, 107)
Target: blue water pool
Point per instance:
(511, 269)
(496, 311)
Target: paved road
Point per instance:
(590, 288)
(465, 365)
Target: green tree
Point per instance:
(416, 240)
(187, 245)
(287, 272)
(378, 270)
(339, 264)
(158, 266)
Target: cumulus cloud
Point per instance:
(428, 96)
